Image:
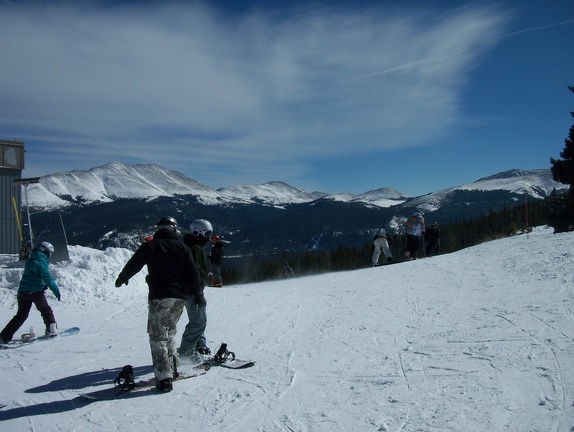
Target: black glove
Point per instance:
(120, 281)
(200, 302)
(58, 297)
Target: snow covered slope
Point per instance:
(478, 340)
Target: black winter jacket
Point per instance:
(196, 245)
(171, 270)
(216, 255)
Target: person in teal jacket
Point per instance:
(35, 280)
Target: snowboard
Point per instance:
(230, 364)
(17, 343)
(142, 385)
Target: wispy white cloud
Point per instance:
(255, 96)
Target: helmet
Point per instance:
(47, 248)
(214, 238)
(201, 227)
(167, 222)
(434, 225)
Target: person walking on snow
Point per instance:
(415, 228)
(172, 279)
(381, 244)
(215, 259)
(35, 279)
(193, 341)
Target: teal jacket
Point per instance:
(36, 276)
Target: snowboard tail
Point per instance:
(142, 385)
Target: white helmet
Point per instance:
(201, 227)
(47, 248)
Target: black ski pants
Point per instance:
(25, 301)
(412, 245)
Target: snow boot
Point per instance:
(204, 351)
(165, 385)
(191, 356)
(52, 330)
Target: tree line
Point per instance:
(454, 236)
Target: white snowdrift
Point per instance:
(479, 340)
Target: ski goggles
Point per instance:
(204, 233)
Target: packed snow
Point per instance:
(478, 340)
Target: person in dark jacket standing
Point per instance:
(215, 259)
(172, 279)
(432, 238)
(193, 342)
(35, 279)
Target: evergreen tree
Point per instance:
(561, 208)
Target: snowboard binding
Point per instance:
(125, 379)
(28, 337)
(223, 355)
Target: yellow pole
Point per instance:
(17, 218)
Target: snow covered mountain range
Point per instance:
(118, 180)
(116, 204)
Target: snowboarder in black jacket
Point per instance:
(172, 278)
(432, 238)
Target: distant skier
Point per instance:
(215, 259)
(381, 243)
(172, 278)
(35, 280)
(288, 271)
(415, 228)
(432, 239)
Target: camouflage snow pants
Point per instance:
(163, 315)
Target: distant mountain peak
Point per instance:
(538, 182)
(111, 181)
(513, 173)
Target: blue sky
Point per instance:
(331, 96)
